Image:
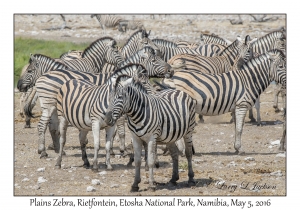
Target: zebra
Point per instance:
(231, 58)
(47, 87)
(137, 41)
(96, 55)
(170, 115)
(205, 50)
(213, 39)
(233, 91)
(124, 25)
(107, 21)
(270, 41)
(84, 105)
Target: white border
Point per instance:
(8, 201)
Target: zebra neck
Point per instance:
(256, 74)
(132, 59)
(264, 44)
(139, 109)
(231, 53)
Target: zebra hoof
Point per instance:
(43, 154)
(134, 189)
(109, 167)
(241, 152)
(201, 121)
(95, 170)
(50, 147)
(172, 184)
(152, 188)
(252, 120)
(57, 166)
(157, 164)
(277, 110)
(191, 183)
(27, 126)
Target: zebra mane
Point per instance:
(102, 39)
(133, 36)
(39, 56)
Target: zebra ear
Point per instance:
(247, 39)
(253, 40)
(31, 57)
(239, 38)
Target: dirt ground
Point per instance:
(218, 171)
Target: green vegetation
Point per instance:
(24, 46)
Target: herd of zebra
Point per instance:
(105, 86)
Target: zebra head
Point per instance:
(120, 98)
(145, 41)
(35, 69)
(116, 105)
(277, 67)
(112, 55)
(243, 50)
(155, 66)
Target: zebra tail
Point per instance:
(193, 149)
(28, 107)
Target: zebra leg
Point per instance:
(22, 104)
(252, 119)
(151, 159)
(96, 133)
(121, 133)
(83, 143)
(276, 93)
(257, 107)
(44, 120)
(156, 158)
(233, 117)
(201, 120)
(137, 147)
(109, 135)
(131, 158)
(240, 113)
(189, 153)
(174, 154)
(63, 125)
(283, 138)
(54, 131)
(146, 155)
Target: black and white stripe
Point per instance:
(107, 21)
(234, 91)
(161, 118)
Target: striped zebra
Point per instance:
(205, 50)
(271, 41)
(233, 91)
(107, 21)
(137, 41)
(94, 57)
(47, 87)
(125, 25)
(170, 115)
(231, 58)
(84, 105)
(40, 64)
(164, 42)
(213, 39)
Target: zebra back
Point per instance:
(212, 39)
(95, 56)
(137, 41)
(71, 54)
(164, 42)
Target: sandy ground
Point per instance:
(218, 171)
